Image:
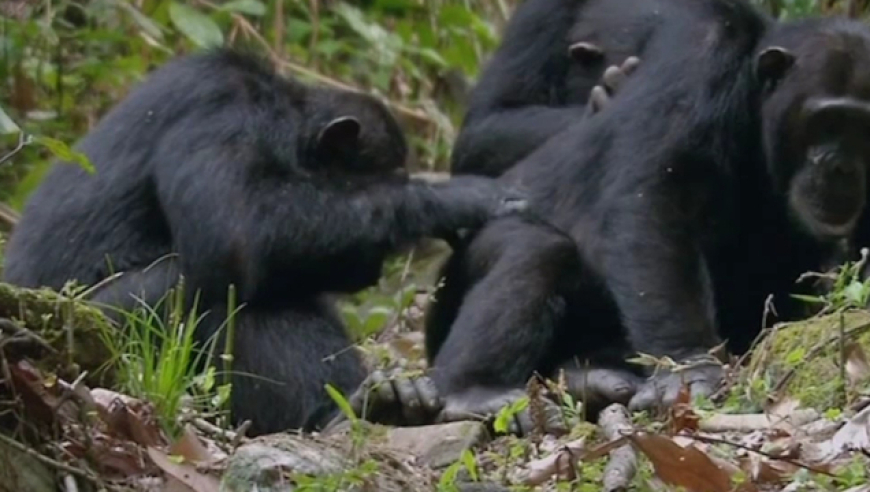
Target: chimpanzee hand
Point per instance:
(611, 81)
(394, 399)
(477, 199)
(484, 403)
(703, 375)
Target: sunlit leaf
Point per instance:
(250, 7)
(7, 126)
(341, 401)
(197, 26)
(65, 153)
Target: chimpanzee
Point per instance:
(731, 162)
(551, 67)
(218, 170)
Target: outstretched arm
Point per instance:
(227, 214)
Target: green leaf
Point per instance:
(197, 26)
(250, 7)
(855, 293)
(63, 152)
(470, 465)
(341, 401)
(7, 126)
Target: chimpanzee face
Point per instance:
(817, 131)
(829, 190)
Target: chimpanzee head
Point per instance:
(816, 119)
(352, 136)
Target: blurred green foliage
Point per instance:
(64, 63)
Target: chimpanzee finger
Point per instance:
(630, 65)
(429, 395)
(648, 397)
(602, 384)
(597, 99)
(382, 393)
(613, 78)
(585, 52)
(412, 409)
(523, 424)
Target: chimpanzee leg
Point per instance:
(496, 319)
(282, 360)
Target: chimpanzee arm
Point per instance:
(510, 110)
(490, 144)
(133, 288)
(227, 213)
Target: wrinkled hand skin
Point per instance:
(660, 391)
(611, 81)
(598, 387)
(391, 398)
(484, 404)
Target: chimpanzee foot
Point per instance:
(485, 403)
(704, 374)
(394, 399)
(598, 387)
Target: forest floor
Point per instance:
(794, 415)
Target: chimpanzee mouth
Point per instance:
(826, 218)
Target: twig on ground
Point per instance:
(21, 333)
(214, 431)
(69, 483)
(785, 459)
(49, 461)
(240, 434)
(621, 468)
(756, 421)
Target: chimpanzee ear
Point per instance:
(585, 53)
(339, 132)
(772, 63)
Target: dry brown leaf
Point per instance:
(857, 367)
(38, 399)
(855, 435)
(762, 470)
(184, 473)
(128, 417)
(687, 467)
(539, 471)
(190, 447)
(683, 417)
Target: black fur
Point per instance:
(696, 193)
(218, 170)
(532, 77)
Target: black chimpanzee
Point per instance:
(550, 68)
(731, 162)
(220, 171)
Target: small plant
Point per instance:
(848, 290)
(468, 462)
(157, 358)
